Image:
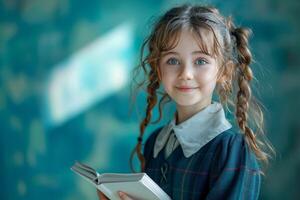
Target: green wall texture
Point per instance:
(60, 103)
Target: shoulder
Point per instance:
(233, 150)
(229, 138)
(148, 146)
(153, 135)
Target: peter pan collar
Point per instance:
(196, 131)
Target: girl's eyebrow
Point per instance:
(199, 52)
(176, 53)
(170, 52)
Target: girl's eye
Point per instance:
(201, 61)
(172, 61)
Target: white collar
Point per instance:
(196, 131)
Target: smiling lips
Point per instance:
(186, 88)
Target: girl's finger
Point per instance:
(101, 196)
(124, 196)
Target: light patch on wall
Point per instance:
(100, 69)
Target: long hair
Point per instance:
(219, 37)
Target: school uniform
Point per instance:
(202, 158)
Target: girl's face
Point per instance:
(188, 74)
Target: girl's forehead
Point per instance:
(195, 40)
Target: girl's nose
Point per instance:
(187, 72)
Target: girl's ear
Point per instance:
(227, 73)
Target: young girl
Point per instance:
(194, 51)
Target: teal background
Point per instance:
(37, 37)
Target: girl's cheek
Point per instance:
(169, 73)
(206, 76)
(170, 69)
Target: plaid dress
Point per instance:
(224, 168)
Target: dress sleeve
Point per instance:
(235, 173)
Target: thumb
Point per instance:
(124, 196)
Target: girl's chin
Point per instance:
(192, 102)
(186, 103)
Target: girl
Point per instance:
(194, 51)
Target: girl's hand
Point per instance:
(101, 196)
(124, 196)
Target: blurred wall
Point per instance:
(58, 102)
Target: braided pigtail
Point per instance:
(152, 86)
(244, 99)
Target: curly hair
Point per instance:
(220, 38)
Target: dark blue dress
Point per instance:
(224, 168)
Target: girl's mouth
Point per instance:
(186, 88)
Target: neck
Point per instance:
(185, 112)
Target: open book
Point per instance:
(137, 185)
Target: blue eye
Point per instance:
(172, 61)
(201, 62)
